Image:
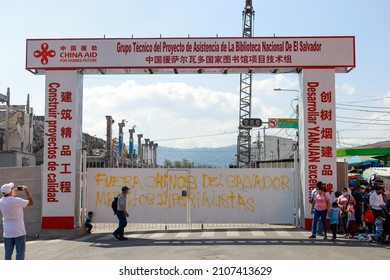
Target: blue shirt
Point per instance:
(334, 215)
(87, 220)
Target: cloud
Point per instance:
(276, 81)
(178, 114)
(267, 103)
(345, 88)
(163, 111)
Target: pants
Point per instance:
(334, 230)
(89, 227)
(319, 227)
(358, 217)
(370, 227)
(317, 216)
(122, 224)
(351, 227)
(344, 221)
(11, 243)
(376, 237)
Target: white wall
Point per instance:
(213, 195)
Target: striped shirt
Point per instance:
(379, 226)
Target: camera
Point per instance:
(20, 188)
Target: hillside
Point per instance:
(215, 157)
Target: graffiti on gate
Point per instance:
(204, 190)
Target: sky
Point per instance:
(189, 111)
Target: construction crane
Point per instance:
(244, 133)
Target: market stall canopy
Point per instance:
(363, 161)
(382, 172)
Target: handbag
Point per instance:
(343, 213)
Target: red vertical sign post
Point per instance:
(318, 133)
(61, 174)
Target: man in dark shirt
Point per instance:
(122, 214)
(355, 192)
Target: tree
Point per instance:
(168, 163)
(184, 163)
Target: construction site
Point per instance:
(22, 142)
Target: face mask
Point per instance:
(361, 191)
(345, 193)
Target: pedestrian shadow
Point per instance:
(262, 241)
(296, 237)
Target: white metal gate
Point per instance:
(194, 195)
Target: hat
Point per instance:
(125, 188)
(362, 186)
(378, 181)
(7, 188)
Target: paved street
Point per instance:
(281, 243)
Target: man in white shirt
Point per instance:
(11, 208)
(377, 202)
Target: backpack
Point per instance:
(114, 204)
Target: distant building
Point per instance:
(16, 136)
(275, 148)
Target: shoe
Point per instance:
(122, 238)
(117, 237)
(312, 236)
(325, 237)
(333, 239)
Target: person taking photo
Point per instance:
(14, 231)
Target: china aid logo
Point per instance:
(44, 53)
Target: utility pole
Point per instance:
(264, 145)
(244, 133)
(258, 142)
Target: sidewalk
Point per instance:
(267, 243)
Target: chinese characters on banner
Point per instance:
(318, 146)
(191, 53)
(61, 149)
